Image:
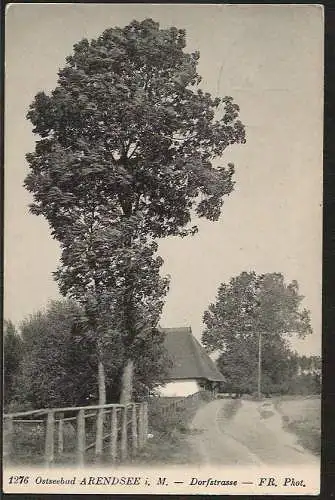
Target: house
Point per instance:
(192, 369)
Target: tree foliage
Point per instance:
(126, 152)
(59, 365)
(250, 305)
(55, 370)
(307, 379)
(128, 133)
(13, 351)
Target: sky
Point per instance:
(270, 60)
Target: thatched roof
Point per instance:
(189, 358)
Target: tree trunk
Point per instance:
(127, 383)
(259, 371)
(100, 414)
(101, 383)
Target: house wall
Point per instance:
(179, 388)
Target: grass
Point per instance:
(167, 449)
(302, 416)
(170, 443)
(28, 445)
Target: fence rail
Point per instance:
(188, 402)
(123, 429)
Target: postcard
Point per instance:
(163, 248)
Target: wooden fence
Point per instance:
(191, 402)
(113, 430)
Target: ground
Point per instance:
(244, 432)
(303, 417)
(252, 433)
(228, 431)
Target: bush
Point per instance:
(168, 423)
(170, 415)
(170, 427)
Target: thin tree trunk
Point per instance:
(127, 383)
(100, 414)
(81, 437)
(259, 370)
(102, 383)
(49, 454)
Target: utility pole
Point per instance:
(259, 378)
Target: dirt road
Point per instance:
(245, 433)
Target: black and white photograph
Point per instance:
(163, 248)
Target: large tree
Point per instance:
(126, 154)
(248, 309)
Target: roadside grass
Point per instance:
(28, 446)
(169, 443)
(29, 441)
(302, 416)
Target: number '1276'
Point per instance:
(18, 480)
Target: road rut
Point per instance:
(252, 435)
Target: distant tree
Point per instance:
(59, 361)
(12, 349)
(237, 363)
(310, 364)
(316, 364)
(55, 370)
(308, 376)
(248, 306)
(125, 156)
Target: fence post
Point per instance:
(134, 436)
(124, 433)
(99, 433)
(49, 439)
(81, 438)
(141, 426)
(145, 419)
(114, 434)
(60, 435)
(8, 433)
